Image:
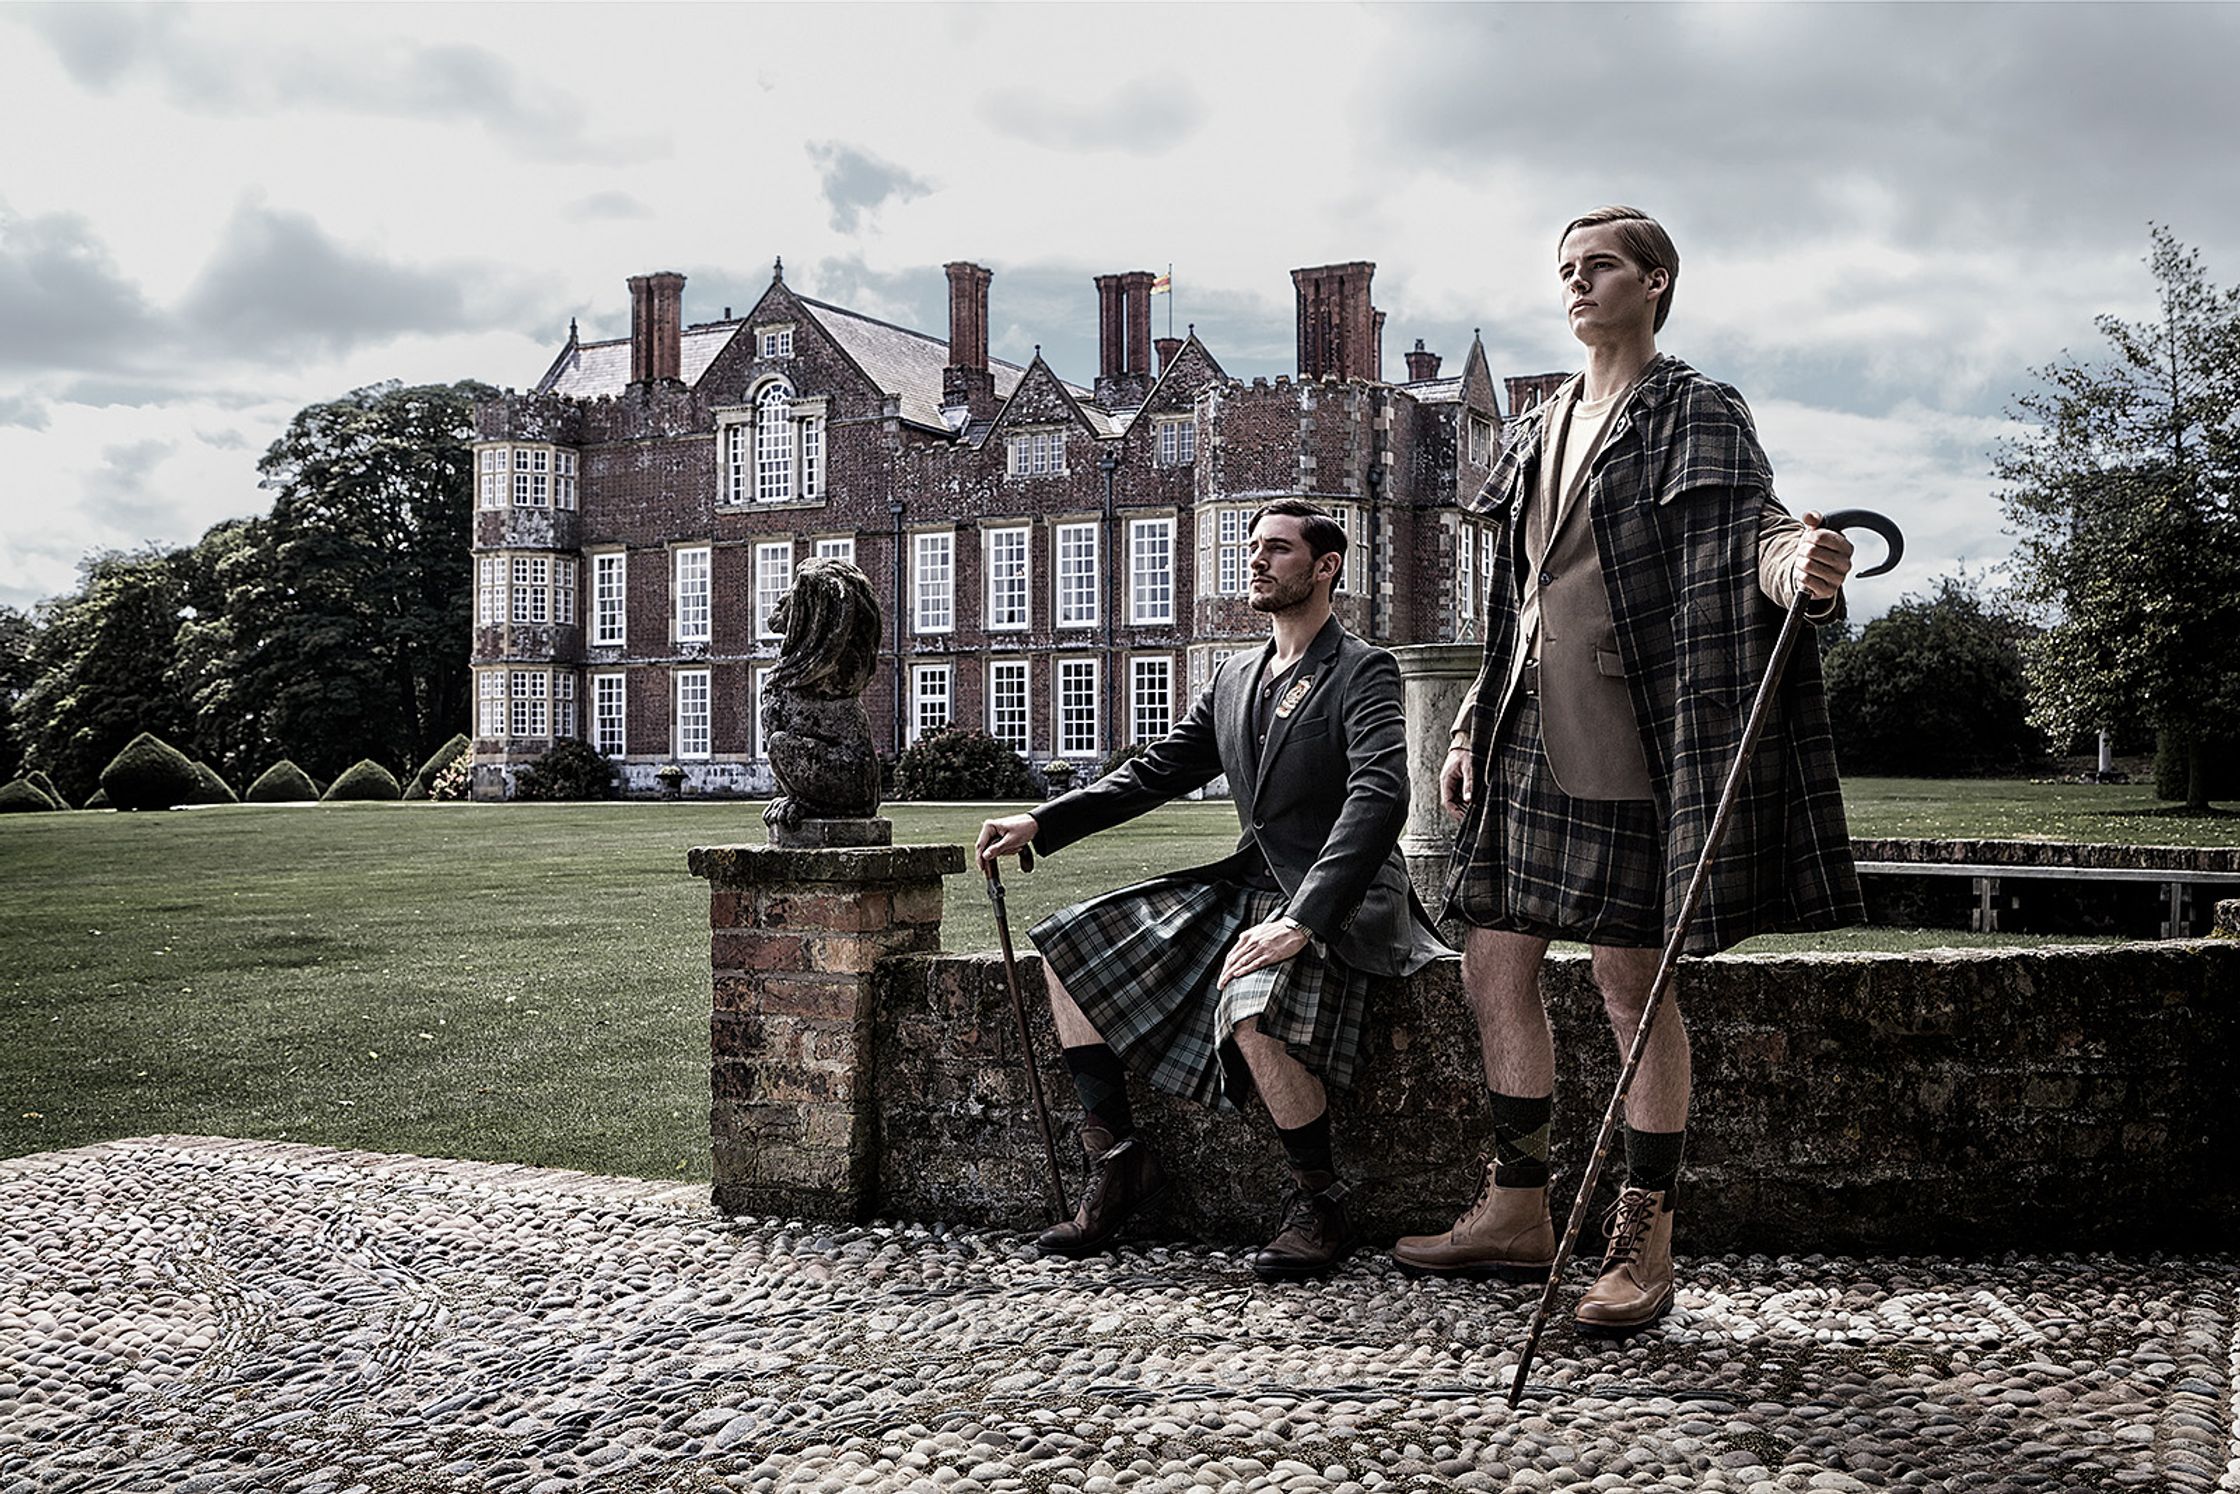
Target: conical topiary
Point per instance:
(18, 796)
(209, 788)
(99, 799)
(282, 783)
(364, 779)
(437, 761)
(45, 785)
(149, 773)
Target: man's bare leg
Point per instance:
(1075, 1030)
(1290, 1090)
(1636, 1284)
(1315, 1234)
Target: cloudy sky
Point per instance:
(213, 215)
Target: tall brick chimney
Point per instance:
(1528, 390)
(1124, 338)
(966, 381)
(1337, 325)
(1168, 347)
(1422, 365)
(656, 326)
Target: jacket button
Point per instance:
(1259, 824)
(1546, 577)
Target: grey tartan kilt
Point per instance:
(1142, 963)
(1542, 862)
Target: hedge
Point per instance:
(19, 796)
(282, 783)
(209, 788)
(364, 779)
(571, 770)
(45, 785)
(424, 780)
(149, 773)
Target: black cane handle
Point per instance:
(1867, 518)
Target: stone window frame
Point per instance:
(1164, 667)
(1059, 578)
(679, 559)
(599, 636)
(490, 601)
(525, 474)
(567, 720)
(1075, 665)
(737, 451)
(1466, 579)
(1036, 452)
(766, 599)
(490, 700)
(758, 681)
(1351, 519)
(922, 675)
(995, 609)
(1142, 583)
(919, 595)
(681, 683)
(1480, 428)
(600, 701)
(835, 547)
(528, 701)
(775, 478)
(1001, 671)
(773, 340)
(1174, 441)
(529, 592)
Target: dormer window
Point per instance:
(774, 342)
(1038, 454)
(1178, 442)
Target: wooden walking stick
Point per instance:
(1760, 709)
(1026, 1034)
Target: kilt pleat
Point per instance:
(1142, 962)
(1545, 863)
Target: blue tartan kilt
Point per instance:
(1142, 962)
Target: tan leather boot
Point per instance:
(1635, 1287)
(1505, 1233)
(1123, 1177)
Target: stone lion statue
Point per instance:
(813, 720)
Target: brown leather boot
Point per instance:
(1123, 1177)
(1506, 1233)
(1315, 1234)
(1635, 1287)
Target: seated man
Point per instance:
(1253, 972)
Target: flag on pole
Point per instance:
(1164, 285)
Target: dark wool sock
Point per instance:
(1653, 1162)
(1101, 1079)
(1308, 1147)
(1520, 1139)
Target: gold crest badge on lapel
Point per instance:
(1294, 695)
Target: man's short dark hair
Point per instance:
(1322, 533)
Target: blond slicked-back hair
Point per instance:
(1645, 242)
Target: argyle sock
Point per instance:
(1102, 1082)
(1307, 1147)
(1653, 1162)
(1520, 1139)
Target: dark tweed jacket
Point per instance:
(1675, 497)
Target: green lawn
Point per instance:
(525, 982)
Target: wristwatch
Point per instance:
(1293, 924)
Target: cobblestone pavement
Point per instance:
(187, 1314)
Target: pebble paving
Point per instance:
(192, 1314)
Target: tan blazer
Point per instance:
(1587, 725)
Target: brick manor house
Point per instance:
(1060, 565)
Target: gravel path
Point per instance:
(190, 1314)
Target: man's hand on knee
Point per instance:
(1262, 945)
(1004, 837)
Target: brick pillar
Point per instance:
(656, 326)
(1135, 292)
(794, 939)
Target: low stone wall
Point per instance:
(2033, 1099)
(2047, 853)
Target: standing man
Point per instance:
(1251, 973)
(1648, 568)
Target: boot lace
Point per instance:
(1626, 1225)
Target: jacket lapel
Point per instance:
(1305, 681)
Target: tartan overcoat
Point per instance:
(1323, 802)
(1675, 497)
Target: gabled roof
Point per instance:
(1446, 391)
(908, 364)
(594, 370)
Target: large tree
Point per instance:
(349, 628)
(2122, 494)
(17, 634)
(1934, 687)
(100, 664)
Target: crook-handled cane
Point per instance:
(1791, 627)
(1026, 1035)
